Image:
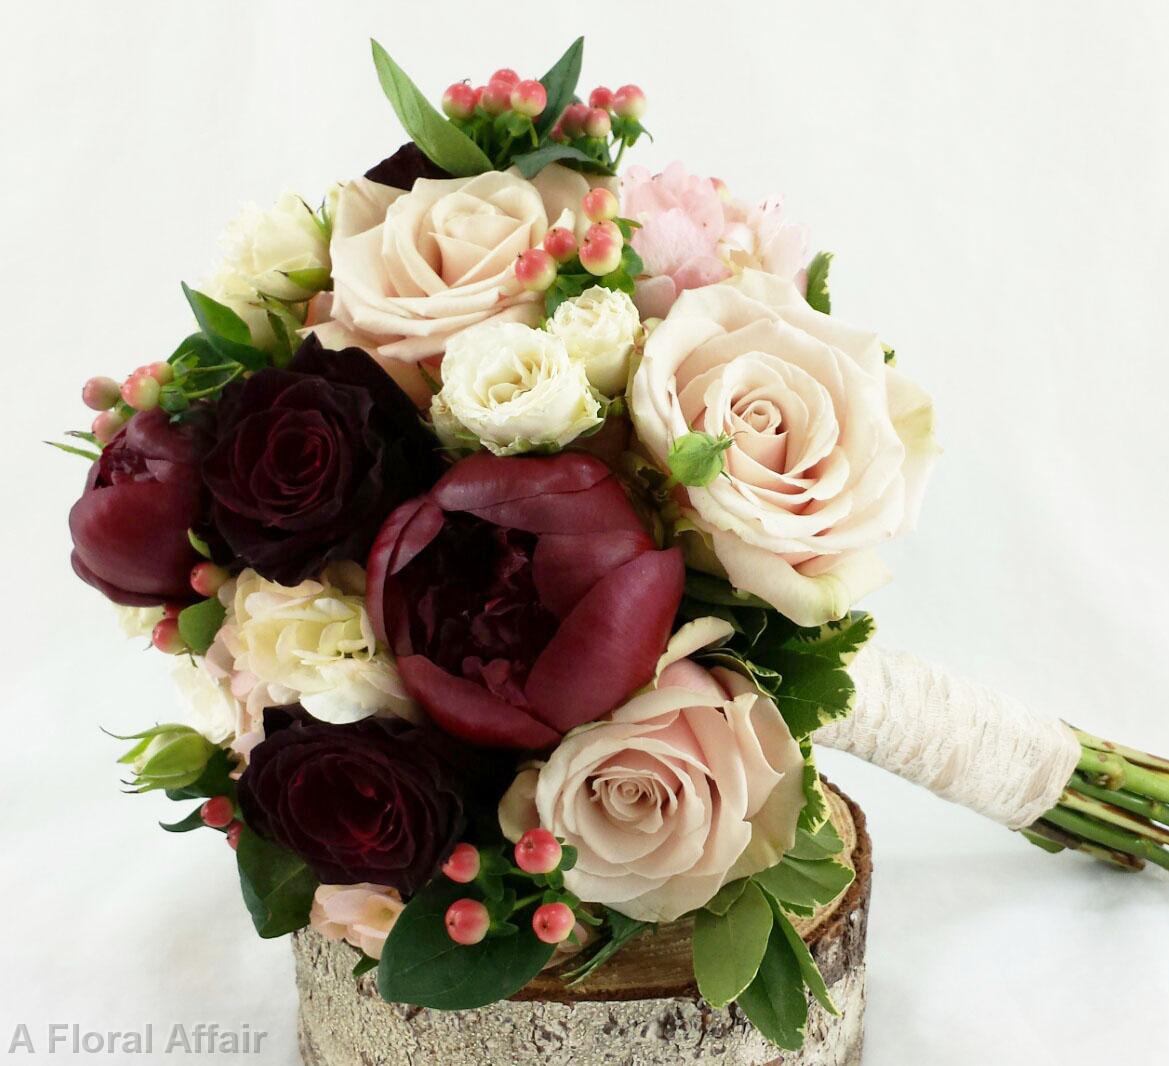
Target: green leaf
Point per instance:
(531, 163)
(225, 331)
(278, 887)
(728, 947)
(443, 143)
(814, 813)
(805, 882)
(727, 896)
(715, 590)
(199, 544)
(775, 1000)
(560, 85)
(215, 780)
(808, 968)
(822, 844)
(631, 262)
(310, 278)
(199, 623)
(364, 965)
(818, 296)
(621, 931)
(194, 820)
(70, 450)
(423, 967)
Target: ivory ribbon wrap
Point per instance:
(961, 740)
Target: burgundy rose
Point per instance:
(368, 801)
(522, 597)
(130, 527)
(404, 168)
(310, 459)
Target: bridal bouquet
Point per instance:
(505, 518)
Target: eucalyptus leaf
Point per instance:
(277, 886)
(443, 143)
(775, 1001)
(560, 85)
(805, 882)
(818, 295)
(729, 947)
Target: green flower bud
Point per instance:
(697, 458)
(167, 756)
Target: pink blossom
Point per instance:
(361, 915)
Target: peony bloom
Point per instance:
(513, 389)
(831, 448)
(361, 915)
(311, 644)
(689, 785)
(309, 460)
(522, 597)
(693, 234)
(402, 169)
(373, 801)
(600, 329)
(130, 527)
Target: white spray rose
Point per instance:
(138, 621)
(599, 328)
(211, 708)
(514, 389)
(232, 289)
(283, 252)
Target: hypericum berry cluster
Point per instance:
(499, 114)
(207, 579)
(541, 861)
(116, 404)
(609, 120)
(562, 268)
(219, 813)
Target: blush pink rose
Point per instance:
(362, 915)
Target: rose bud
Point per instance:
(529, 98)
(598, 123)
(167, 756)
(600, 205)
(553, 922)
(600, 254)
(536, 270)
(629, 102)
(377, 800)
(505, 75)
(538, 852)
(107, 425)
(166, 637)
(141, 391)
(496, 98)
(463, 865)
(522, 597)
(560, 243)
(100, 394)
(130, 527)
(602, 98)
(218, 812)
(310, 459)
(467, 921)
(207, 578)
(458, 101)
(573, 119)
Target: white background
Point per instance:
(993, 179)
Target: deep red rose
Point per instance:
(373, 800)
(130, 527)
(404, 168)
(522, 597)
(309, 460)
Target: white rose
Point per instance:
(830, 448)
(599, 328)
(283, 252)
(693, 783)
(138, 621)
(412, 269)
(236, 292)
(311, 644)
(211, 708)
(512, 388)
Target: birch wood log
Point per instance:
(641, 1009)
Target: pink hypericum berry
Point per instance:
(538, 852)
(553, 922)
(558, 134)
(505, 75)
(166, 637)
(573, 119)
(463, 865)
(172, 610)
(100, 394)
(459, 100)
(606, 230)
(600, 205)
(163, 372)
(105, 427)
(207, 578)
(529, 98)
(141, 391)
(535, 270)
(560, 243)
(467, 921)
(602, 98)
(218, 812)
(496, 98)
(234, 832)
(629, 102)
(600, 254)
(598, 123)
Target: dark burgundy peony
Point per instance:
(130, 527)
(404, 168)
(368, 801)
(522, 597)
(309, 460)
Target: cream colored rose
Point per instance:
(138, 621)
(361, 914)
(311, 644)
(831, 448)
(412, 269)
(211, 708)
(282, 252)
(600, 328)
(235, 291)
(514, 389)
(692, 783)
